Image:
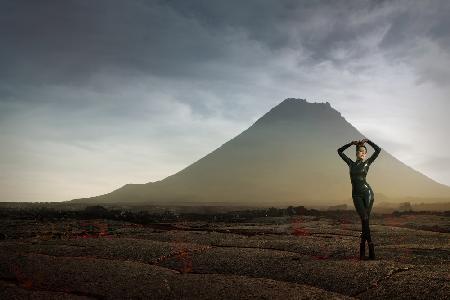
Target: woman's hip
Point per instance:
(361, 190)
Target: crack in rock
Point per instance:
(375, 284)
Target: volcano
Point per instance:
(287, 157)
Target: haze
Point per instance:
(94, 95)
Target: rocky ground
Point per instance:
(296, 257)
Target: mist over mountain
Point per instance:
(287, 157)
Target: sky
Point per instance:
(98, 94)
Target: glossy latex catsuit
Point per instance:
(362, 193)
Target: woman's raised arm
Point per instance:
(375, 154)
(341, 153)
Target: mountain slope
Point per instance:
(288, 156)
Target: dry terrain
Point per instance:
(292, 257)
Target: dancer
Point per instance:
(362, 193)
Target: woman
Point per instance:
(362, 193)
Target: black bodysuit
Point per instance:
(362, 193)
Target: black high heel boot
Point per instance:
(362, 247)
(362, 250)
(371, 250)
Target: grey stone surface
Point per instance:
(298, 258)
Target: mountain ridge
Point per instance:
(288, 155)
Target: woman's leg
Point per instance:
(358, 201)
(368, 202)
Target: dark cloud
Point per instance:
(68, 42)
(315, 25)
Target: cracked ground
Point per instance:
(298, 257)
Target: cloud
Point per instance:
(83, 81)
(69, 42)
